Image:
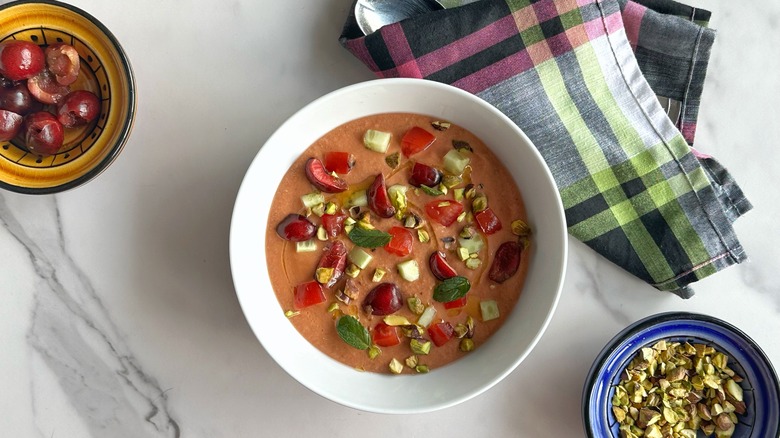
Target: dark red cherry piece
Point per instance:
(296, 228)
(384, 299)
(378, 199)
(425, 175)
(18, 99)
(335, 256)
(322, 179)
(439, 266)
(45, 88)
(20, 59)
(506, 261)
(43, 134)
(10, 124)
(78, 108)
(63, 61)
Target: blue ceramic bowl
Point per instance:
(761, 387)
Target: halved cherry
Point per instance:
(401, 241)
(18, 99)
(440, 333)
(296, 228)
(78, 108)
(10, 124)
(45, 87)
(444, 212)
(488, 221)
(63, 60)
(506, 261)
(339, 162)
(335, 256)
(43, 134)
(416, 140)
(457, 304)
(20, 59)
(384, 299)
(385, 335)
(333, 224)
(439, 266)
(425, 175)
(308, 294)
(378, 199)
(322, 179)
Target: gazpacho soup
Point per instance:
(397, 243)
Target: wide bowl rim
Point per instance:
(637, 328)
(556, 223)
(123, 133)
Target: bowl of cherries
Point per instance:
(67, 97)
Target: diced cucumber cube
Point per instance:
(306, 246)
(489, 309)
(473, 244)
(360, 258)
(358, 199)
(311, 199)
(427, 316)
(455, 162)
(409, 270)
(377, 141)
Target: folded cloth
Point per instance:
(565, 72)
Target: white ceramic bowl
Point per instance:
(464, 378)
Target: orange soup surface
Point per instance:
(424, 246)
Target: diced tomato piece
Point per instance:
(416, 140)
(339, 162)
(385, 335)
(444, 212)
(333, 224)
(488, 221)
(456, 304)
(401, 242)
(308, 294)
(441, 333)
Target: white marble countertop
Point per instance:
(119, 317)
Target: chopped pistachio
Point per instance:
(412, 361)
(393, 160)
(395, 320)
(461, 330)
(420, 346)
(443, 189)
(734, 389)
(461, 217)
(520, 228)
(378, 274)
(331, 208)
(463, 253)
(473, 263)
(451, 181)
(422, 369)
(423, 236)
(413, 221)
(441, 125)
(479, 203)
(365, 221)
(334, 306)
(321, 233)
(374, 351)
(462, 146)
(466, 345)
(470, 192)
(291, 313)
(323, 275)
(458, 194)
(318, 209)
(470, 326)
(396, 367)
(352, 270)
(415, 305)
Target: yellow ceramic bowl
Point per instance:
(105, 71)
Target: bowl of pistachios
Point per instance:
(681, 375)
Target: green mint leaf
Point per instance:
(369, 238)
(451, 289)
(431, 190)
(353, 333)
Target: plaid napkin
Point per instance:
(608, 91)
